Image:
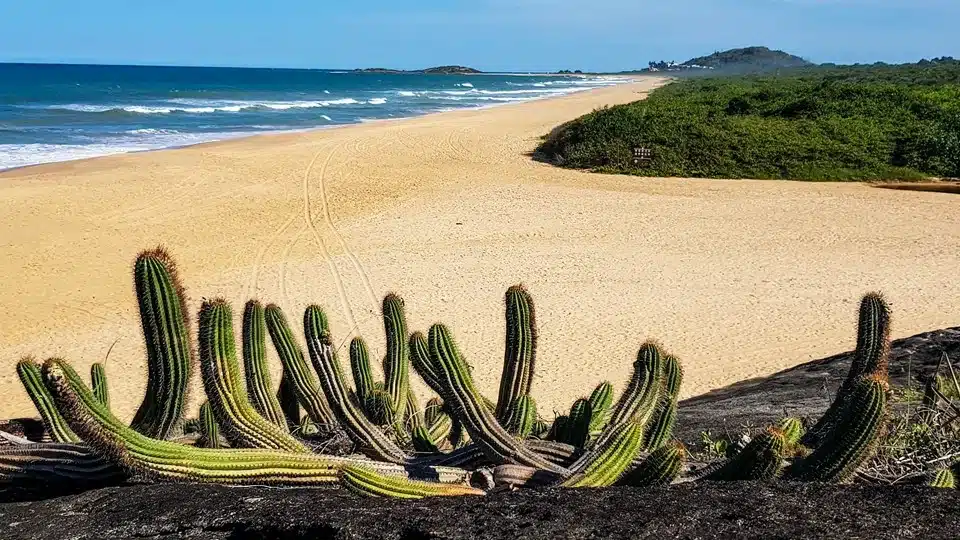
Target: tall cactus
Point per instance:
(601, 399)
(255, 368)
(370, 483)
(521, 417)
(660, 428)
(660, 468)
(163, 316)
(98, 381)
(372, 441)
(360, 366)
(209, 430)
(639, 399)
(605, 464)
(520, 351)
(460, 394)
(761, 459)
(396, 364)
(852, 440)
(29, 372)
(242, 425)
(295, 370)
(870, 356)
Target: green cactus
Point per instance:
(605, 463)
(255, 369)
(660, 468)
(792, 429)
(761, 459)
(639, 399)
(98, 381)
(601, 399)
(577, 429)
(432, 410)
(379, 407)
(521, 417)
(307, 428)
(370, 483)
(870, 357)
(660, 428)
(943, 478)
(373, 442)
(360, 366)
(853, 439)
(520, 351)
(242, 425)
(461, 396)
(296, 372)
(209, 430)
(29, 372)
(396, 364)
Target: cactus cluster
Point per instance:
(459, 443)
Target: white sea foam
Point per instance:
(195, 106)
(377, 101)
(327, 118)
(465, 85)
(406, 93)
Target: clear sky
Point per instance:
(495, 35)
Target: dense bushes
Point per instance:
(826, 123)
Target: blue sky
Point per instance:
(487, 34)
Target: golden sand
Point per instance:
(738, 278)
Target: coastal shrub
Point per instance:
(825, 123)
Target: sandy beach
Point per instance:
(738, 278)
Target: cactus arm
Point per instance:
(373, 441)
(660, 468)
(640, 397)
(98, 381)
(296, 372)
(29, 373)
(370, 483)
(255, 369)
(520, 417)
(943, 478)
(660, 428)
(209, 430)
(360, 366)
(601, 399)
(520, 351)
(163, 317)
(241, 424)
(577, 427)
(396, 364)
(603, 465)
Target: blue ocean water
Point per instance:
(51, 112)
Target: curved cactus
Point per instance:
(639, 399)
(943, 478)
(518, 476)
(255, 368)
(373, 442)
(209, 430)
(56, 463)
(605, 463)
(520, 351)
(432, 410)
(295, 370)
(241, 423)
(852, 439)
(370, 483)
(29, 372)
(98, 381)
(577, 429)
(761, 459)
(307, 428)
(660, 468)
(521, 417)
(396, 364)
(360, 366)
(464, 401)
(163, 316)
(870, 357)
(660, 428)
(601, 399)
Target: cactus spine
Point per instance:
(605, 464)
(242, 425)
(370, 483)
(761, 459)
(360, 366)
(660, 428)
(209, 431)
(463, 399)
(255, 368)
(296, 372)
(98, 381)
(660, 468)
(163, 316)
(29, 372)
(520, 351)
(373, 441)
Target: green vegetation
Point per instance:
(823, 123)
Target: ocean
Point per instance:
(59, 112)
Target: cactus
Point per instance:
(518, 476)
(296, 372)
(61, 464)
(360, 366)
(98, 381)
(163, 316)
(432, 410)
(870, 357)
(460, 394)
(521, 417)
(852, 440)
(660, 428)
(29, 372)
(605, 463)
(520, 351)
(209, 430)
(373, 442)
(259, 386)
(396, 364)
(792, 429)
(577, 428)
(379, 407)
(307, 428)
(600, 401)
(660, 468)
(639, 399)
(370, 483)
(558, 429)
(943, 478)
(242, 425)
(761, 459)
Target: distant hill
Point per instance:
(439, 70)
(745, 60)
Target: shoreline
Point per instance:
(738, 278)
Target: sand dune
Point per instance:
(738, 278)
